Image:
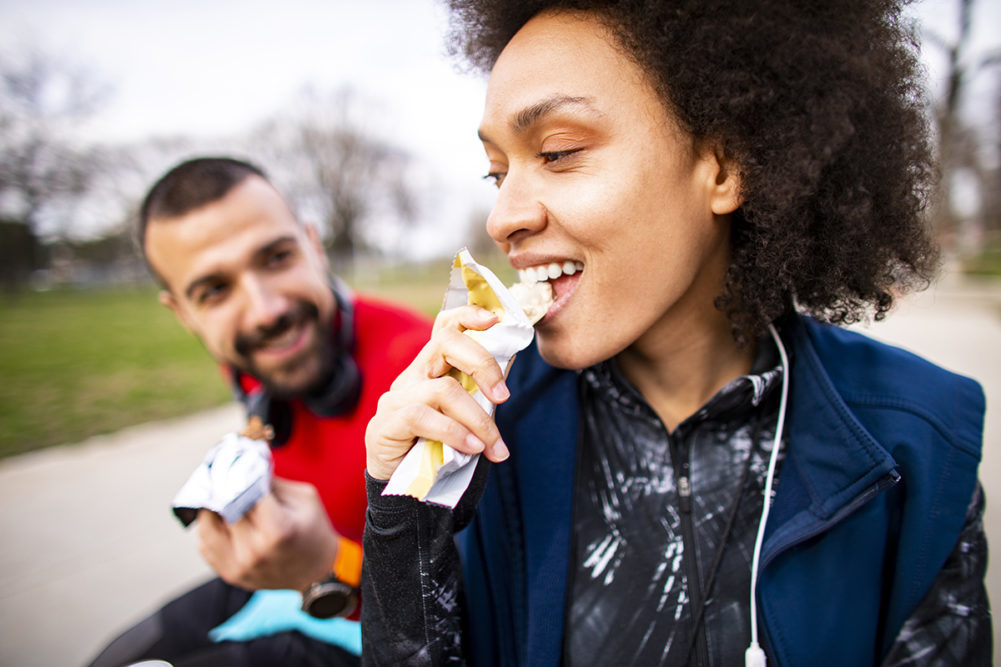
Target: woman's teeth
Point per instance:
(549, 271)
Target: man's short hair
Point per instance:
(188, 186)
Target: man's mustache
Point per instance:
(300, 313)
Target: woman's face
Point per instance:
(593, 172)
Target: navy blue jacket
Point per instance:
(880, 467)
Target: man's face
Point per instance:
(251, 282)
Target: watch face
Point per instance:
(329, 599)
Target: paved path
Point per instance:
(88, 541)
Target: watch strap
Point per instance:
(347, 562)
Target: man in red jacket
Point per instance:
(311, 359)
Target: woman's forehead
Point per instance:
(565, 60)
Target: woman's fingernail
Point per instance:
(500, 450)
(475, 443)
(500, 391)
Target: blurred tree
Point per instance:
(20, 254)
(43, 103)
(958, 142)
(338, 172)
(991, 177)
(478, 241)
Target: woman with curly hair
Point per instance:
(692, 464)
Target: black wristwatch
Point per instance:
(330, 597)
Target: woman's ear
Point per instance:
(725, 195)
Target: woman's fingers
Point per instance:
(449, 348)
(439, 409)
(428, 401)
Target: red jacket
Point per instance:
(330, 452)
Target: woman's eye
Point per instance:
(496, 176)
(555, 156)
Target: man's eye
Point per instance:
(212, 293)
(278, 258)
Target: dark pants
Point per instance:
(178, 633)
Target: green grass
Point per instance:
(986, 263)
(76, 363)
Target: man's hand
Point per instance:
(284, 541)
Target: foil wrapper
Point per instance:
(234, 475)
(432, 471)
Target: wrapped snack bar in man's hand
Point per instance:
(432, 471)
(235, 474)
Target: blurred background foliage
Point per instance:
(84, 346)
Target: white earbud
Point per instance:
(754, 656)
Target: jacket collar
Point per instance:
(833, 463)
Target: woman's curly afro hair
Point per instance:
(820, 106)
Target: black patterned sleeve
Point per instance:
(411, 611)
(952, 625)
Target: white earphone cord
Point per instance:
(754, 656)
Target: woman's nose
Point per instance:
(517, 211)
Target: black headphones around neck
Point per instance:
(338, 396)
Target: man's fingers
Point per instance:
(265, 513)
(214, 542)
(210, 525)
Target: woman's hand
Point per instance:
(426, 401)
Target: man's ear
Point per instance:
(726, 194)
(167, 300)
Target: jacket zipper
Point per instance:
(683, 481)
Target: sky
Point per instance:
(211, 68)
(207, 68)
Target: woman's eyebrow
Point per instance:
(525, 118)
(531, 115)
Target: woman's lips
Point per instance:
(563, 288)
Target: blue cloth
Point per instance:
(269, 612)
(881, 465)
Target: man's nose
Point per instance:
(517, 212)
(264, 303)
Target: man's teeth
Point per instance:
(549, 271)
(282, 340)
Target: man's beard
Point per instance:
(313, 367)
